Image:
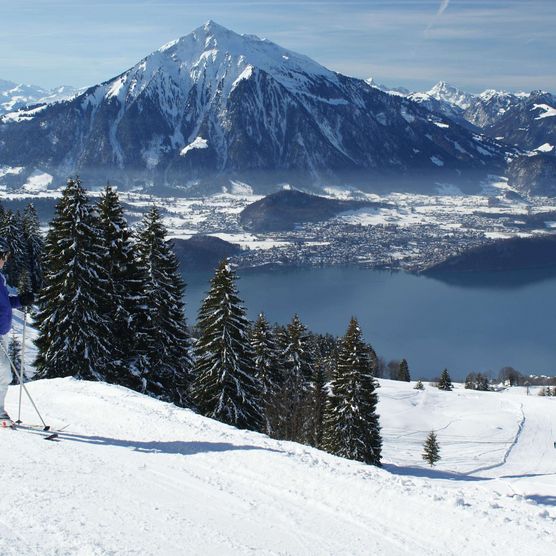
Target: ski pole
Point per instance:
(22, 364)
(46, 427)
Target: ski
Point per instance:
(47, 434)
(41, 428)
(7, 424)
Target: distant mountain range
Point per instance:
(14, 96)
(214, 108)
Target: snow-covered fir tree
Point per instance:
(403, 373)
(352, 428)
(297, 358)
(317, 403)
(267, 368)
(224, 383)
(166, 337)
(445, 382)
(431, 449)
(419, 385)
(34, 246)
(75, 339)
(12, 230)
(126, 303)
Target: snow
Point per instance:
(250, 241)
(545, 148)
(38, 181)
(14, 170)
(245, 74)
(116, 87)
(133, 475)
(198, 143)
(549, 111)
(23, 115)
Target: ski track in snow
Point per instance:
(133, 475)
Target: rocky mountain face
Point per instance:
(527, 121)
(214, 106)
(534, 174)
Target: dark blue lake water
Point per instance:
(465, 322)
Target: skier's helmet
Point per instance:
(4, 247)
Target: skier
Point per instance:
(7, 303)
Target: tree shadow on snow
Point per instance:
(163, 447)
(430, 473)
(540, 499)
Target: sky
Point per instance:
(472, 44)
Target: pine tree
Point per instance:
(419, 385)
(403, 374)
(14, 353)
(12, 230)
(445, 383)
(317, 404)
(224, 383)
(471, 381)
(297, 358)
(482, 382)
(297, 353)
(352, 427)
(34, 246)
(74, 338)
(431, 449)
(267, 369)
(125, 302)
(167, 339)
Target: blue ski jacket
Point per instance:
(7, 303)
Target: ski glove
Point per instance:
(26, 299)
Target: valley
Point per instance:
(408, 231)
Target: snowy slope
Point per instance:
(133, 475)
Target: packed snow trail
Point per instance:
(133, 475)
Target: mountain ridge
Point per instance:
(264, 115)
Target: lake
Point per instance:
(464, 321)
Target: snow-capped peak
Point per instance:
(445, 92)
(216, 59)
(216, 45)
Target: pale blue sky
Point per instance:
(471, 43)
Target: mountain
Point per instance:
(489, 106)
(503, 255)
(526, 120)
(445, 92)
(285, 209)
(399, 91)
(201, 252)
(15, 96)
(443, 109)
(523, 120)
(133, 475)
(533, 173)
(216, 106)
